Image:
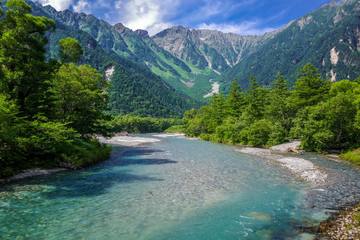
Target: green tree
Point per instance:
(330, 124)
(11, 128)
(79, 95)
(256, 101)
(278, 110)
(235, 100)
(258, 134)
(22, 57)
(309, 89)
(70, 50)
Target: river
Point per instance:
(178, 189)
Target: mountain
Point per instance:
(329, 38)
(138, 47)
(208, 48)
(134, 88)
(197, 63)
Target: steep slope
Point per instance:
(329, 38)
(137, 46)
(134, 88)
(208, 48)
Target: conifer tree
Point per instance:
(24, 71)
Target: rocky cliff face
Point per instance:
(206, 48)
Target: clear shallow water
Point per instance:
(174, 189)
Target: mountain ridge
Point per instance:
(191, 60)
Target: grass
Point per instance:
(175, 129)
(352, 156)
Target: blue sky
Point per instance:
(238, 16)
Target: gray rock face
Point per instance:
(142, 33)
(208, 48)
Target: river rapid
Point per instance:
(177, 188)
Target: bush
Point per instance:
(11, 154)
(258, 134)
(175, 129)
(352, 156)
(85, 153)
(137, 124)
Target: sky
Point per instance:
(236, 16)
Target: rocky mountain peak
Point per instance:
(120, 27)
(142, 33)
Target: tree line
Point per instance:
(324, 115)
(50, 110)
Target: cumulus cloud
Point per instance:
(82, 6)
(243, 28)
(146, 14)
(57, 4)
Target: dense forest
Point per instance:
(49, 110)
(324, 115)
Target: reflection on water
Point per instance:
(174, 189)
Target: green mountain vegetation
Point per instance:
(136, 124)
(327, 38)
(49, 110)
(134, 88)
(324, 115)
(138, 47)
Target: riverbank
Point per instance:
(343, 226)
(29, 173)
(119, 141)
(298, 166)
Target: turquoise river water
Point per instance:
(176, 189)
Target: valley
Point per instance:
(134, 119)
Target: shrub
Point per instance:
(352, 156)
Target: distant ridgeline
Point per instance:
(161, 75)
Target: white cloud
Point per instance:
(243, 28)
(146, 14)
(57, 4)
(81, 6)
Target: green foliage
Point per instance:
(10, 128)
(22, 57)
(323, 115)
(258, 134)
(79, 97)
(175, 129)
(48, 112)
(236, 100)
(352, 156)
(70, 50)
(332, 123)
(310, 88)
(137, 124)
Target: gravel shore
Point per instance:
(299, 166)
(344, 226)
